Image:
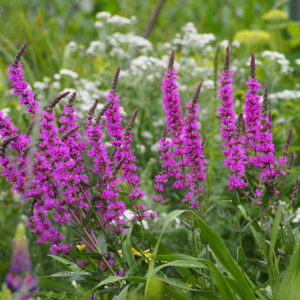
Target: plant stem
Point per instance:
(99, 252)
(239, 227)
(265, 250)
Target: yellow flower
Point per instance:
(81, 247)
(275, 16)
(146, 254)
(254, 39)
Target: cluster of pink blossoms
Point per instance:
(70, 175)
(181, 145)
(248, 141)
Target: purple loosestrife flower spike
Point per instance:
(174, 122)
(233, 140)
(193, 152)
(19, 279)
(20, 86)
(266, 160)
(167, 162)
(121, 140)
(73, 168)
(253, 116)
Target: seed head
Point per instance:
(130, 123)
(56, 100)
(227, 60)
(116, 79)
(71, 99)
(5, 144)
(295, 189)
(266, 98)
(171, 60)
(197, 93)
(92, 110)
(288, 141)
(252, 65)
(20, 53)
(103, 110)
(291, 161)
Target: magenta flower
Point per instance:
(234, 141)
(182, 154)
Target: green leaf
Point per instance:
(244, 213)
(294, 29)
(222, 254)
(101, 242)
(192, 262)
(127, 251)
(174, 294)
(181, 263)
(76, 275)
(123, 294)
(241, 256)
(256, 236)
(221, 282)
(290, 239)
(289, 289)
(113, 279)
(69, 264)
(275, 231)
(170, 217)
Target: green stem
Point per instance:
(99, 252)
(239, 227)
(265, 250)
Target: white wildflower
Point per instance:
(5, 111)
(141, 148)
(103, 15)
(285, 95)
(98, 24)
(147, 135)
(297, 217)
(55, 85)
(118, 20)
(68, 72)
(39, 85)
(208, 84)
(96, 47)
(236, 44)
(155, 147)
(224, 43)
(56, 76)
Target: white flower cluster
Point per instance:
(106, 17)
(96, 47)
(297, 217)
(190, 39)
(145, 65)
(70, 73)
(119, 40)
(225, 43)
(280, 59)
(285, 95)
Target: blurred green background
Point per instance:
(71, 46)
